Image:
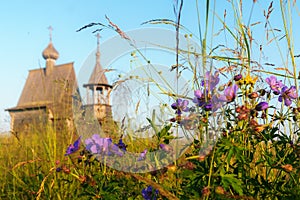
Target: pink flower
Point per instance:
(274, 84)
(229, 94)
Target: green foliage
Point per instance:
(256, 154)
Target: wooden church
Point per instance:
(47, 95)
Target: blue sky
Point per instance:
(24, 33)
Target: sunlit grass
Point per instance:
(255, 154)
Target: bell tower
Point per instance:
(98, 91)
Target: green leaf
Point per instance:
(230, 180)
(153, 126)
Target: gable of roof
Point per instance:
(42, 89)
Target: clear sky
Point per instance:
(24, 33)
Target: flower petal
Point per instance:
(287, 101)
(198, 93)
(280, 98)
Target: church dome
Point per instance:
(50, 52)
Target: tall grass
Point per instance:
(255, 156)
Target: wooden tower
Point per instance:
(98, 91)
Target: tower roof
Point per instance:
(98, 76)
(50, 52)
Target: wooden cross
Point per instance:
(98, 37)
(50, 32)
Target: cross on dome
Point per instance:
(50, 28)
(50, 52)
(98, 38)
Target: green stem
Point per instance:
(211, 170)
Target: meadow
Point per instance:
(242, 120)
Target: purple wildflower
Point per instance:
(149, 193)
(180, 106)
(73, 147)
(261, 106)
(104, 146)
(122, 145)
(229, 94)
(114, 149)
(210, 81)
(211, 104)
(274, 84)
(216, 103)
(208, 107)
(287, 94)
(166, 148)
(143, 155)
(199, 98)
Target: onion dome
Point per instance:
(50, 52)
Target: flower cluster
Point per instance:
(207, 98)
(103, 146)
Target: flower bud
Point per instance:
(238, 109)
(242, 116)
(208, 107)
(172, 168)
(261, 106)
(287, 167)
(244, 108)
(202, 157)
(58, 169)
(259, 128)
(204, 120)
(190, 166)
(221, 88)
(253, 95)
(82, 179)
(66, 169)
(205, 191)
(219, 190)
(253, 122)
(237, 77)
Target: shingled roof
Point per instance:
(41, 89)
(98, 76)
